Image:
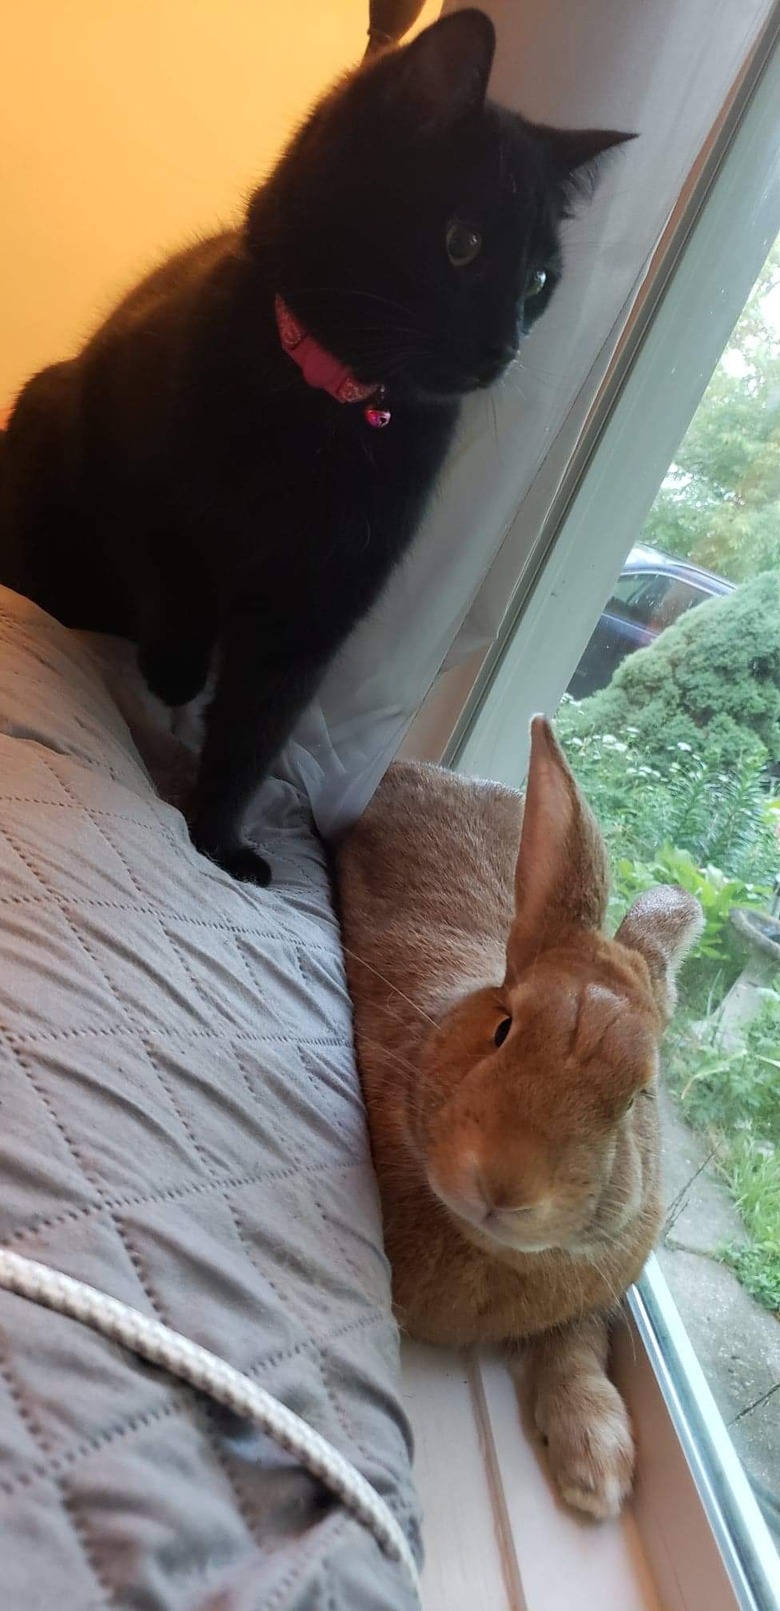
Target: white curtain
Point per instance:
(664, 68)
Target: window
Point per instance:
(727, 1163)
(678, 597)
(677, 754)
(653, 600)
(634, 596)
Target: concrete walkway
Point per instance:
(737, 1341)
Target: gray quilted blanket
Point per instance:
(181, 1126)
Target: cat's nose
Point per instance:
(496, 357)
(500, 353)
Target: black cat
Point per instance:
(206, 476)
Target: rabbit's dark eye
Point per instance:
(502, 1031)
(629, 1105)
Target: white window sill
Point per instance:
(496, 1536)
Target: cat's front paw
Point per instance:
(247, 865)
(174, 674)
(590, 1445)
(241, 861)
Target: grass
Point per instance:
(752, 1173)
(733, 1097)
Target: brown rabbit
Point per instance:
(509, 1057)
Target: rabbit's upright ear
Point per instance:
(662, 925)
(562, 876)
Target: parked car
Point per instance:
(651, 592)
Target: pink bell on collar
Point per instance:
(321, 370)
(375, 413)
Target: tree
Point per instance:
(711, 682)
(720, 502)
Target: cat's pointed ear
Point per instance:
(562, 876)
(444, 72)
(575, 154)
(576, 148)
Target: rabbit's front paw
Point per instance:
(590, 1445)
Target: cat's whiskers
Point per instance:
(510, 382)
(494, 412)
(535, 371)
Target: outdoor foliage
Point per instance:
(679, 818)
(737, 1090)
(684, 820)
(711, 682)
(677, 755)
(720, 502)
(733, 1097)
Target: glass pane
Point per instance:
(678, 597)
(648, 604)
(639, 596)
(675, 735)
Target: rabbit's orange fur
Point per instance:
(520, 1190)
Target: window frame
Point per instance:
(728, 1557)
(693, 296)
(701, 1529)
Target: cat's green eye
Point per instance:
(502, 1031)
(536, 284)
(463, 243)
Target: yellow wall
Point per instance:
(127, 127)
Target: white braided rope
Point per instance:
(210, 1374)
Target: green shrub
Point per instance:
(710, 681)
(720, 503)
(732, 1095)
(681, 805)
(683, 819)
(716, 893)
(735, 1089)
(666, 824)
(758, 1265)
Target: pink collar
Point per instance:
(321, 370)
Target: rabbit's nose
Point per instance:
(502, 1195)
(506, 1218)
(507, 1214)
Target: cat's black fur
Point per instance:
(179, 482)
